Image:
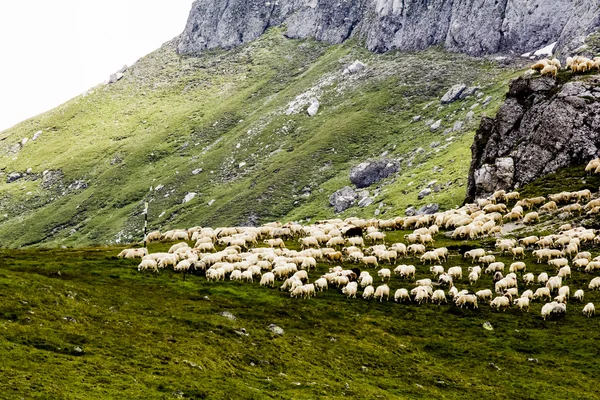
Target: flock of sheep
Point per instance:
(234, 253)
(577, 64)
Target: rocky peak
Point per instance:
(543, 125)
(477, 28)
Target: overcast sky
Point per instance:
(53, 50)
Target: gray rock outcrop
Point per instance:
(343, 199)
(367, 173)
(474, 27)
(542, 126)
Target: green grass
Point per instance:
(156, 336)
(170, 115)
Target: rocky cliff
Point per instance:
(475, 27)
(543, 125)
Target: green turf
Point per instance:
(79, 324)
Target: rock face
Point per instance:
(475, 27)
(343, 199)
(367, 173)
(541, 127)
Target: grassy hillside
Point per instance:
(225, 116)
(83, 324)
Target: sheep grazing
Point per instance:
(540, 65)
(369, 292)
(589, 310)
(455, 272)
(401, 295)
(594, 283)
(578, 296)
(542, 293)
(383, 290)
(484, 295)
(385, 274)
(438, 297)
(518, 266)
(553, 309)
(549, 70)
(531, 218)
(350, 289)
(467, 300)
(522, 304)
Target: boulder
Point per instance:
(367, 173)
(428, 209)
(543, 125)
(343, 199)
(13, 176)
(453, 93)
(355, 67)
(313, 108)
(424, 193)
(366, 201)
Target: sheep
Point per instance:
(549, 206)
(368, 292)
(247, 276)
(589, 310)
(148, 264)
(334, 256)
(321, 284)
(518, 251)
(430, 256)
(487, 260)
(183, 265)
(445, 280)
(542, 293)
(301, 276)
(554, 283)
(305, 243)
(376, 236)
(592, 266)
(549, 70)
(522, 304)
(565, 272)
(455, 272)
(420, 295)
(416, 249)
(473, 278)
(383, 290)
(528, 293)
(485, 294)
(564, 291)
(275, 243)
(350, 289)
(518, 266)
(401, 295)
(467, 299)
(578, 296)
(384, 274)
(542, 278)
(594, 283)
(540, 65)
(436, 270)
(493, 267)
(423, 282)
(438, 297)
(554, 308)
(366, 281)
(531, 217)
(528, 279)
(268, 279)
(474, 254)
(406, 271)
(442, 252)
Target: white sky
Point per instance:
(54, 50)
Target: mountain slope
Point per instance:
(231, 127)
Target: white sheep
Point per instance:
(401, 295)
(542, 293)
(350, 289)
(528, 293)
(554, 308)
(473, 277)
(383, 290)
(500, 303)
(148, 264)
(384, 274)
(589, 310)
(438, 297)
(522, 304)
(268, 279)
(368, 292)
(466, 300)
(485, 294)
(578, 296)
(436, 270)
(528, 279)
(455, 272)
(321, 284)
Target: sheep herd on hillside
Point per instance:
(577, 64)
(250, 254)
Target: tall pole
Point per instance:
(145, 223)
